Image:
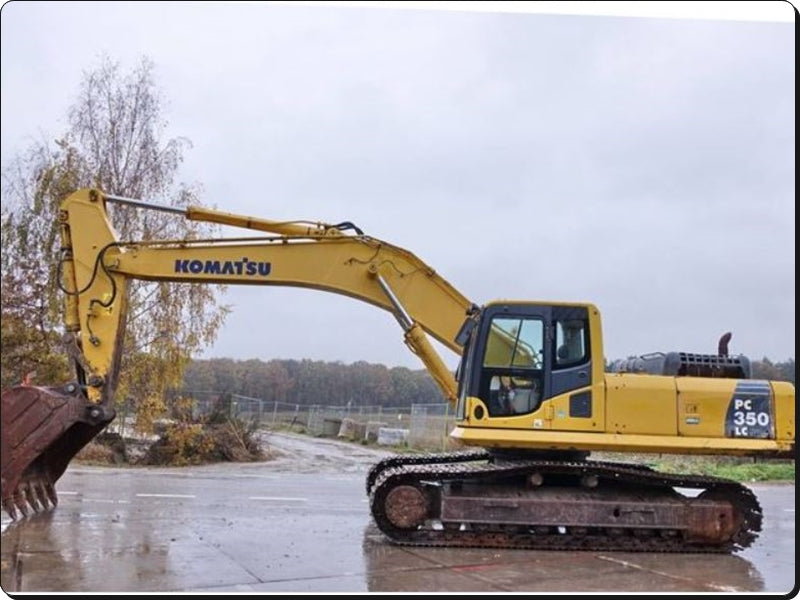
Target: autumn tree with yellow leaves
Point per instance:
(115, 141)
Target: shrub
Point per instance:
(198, 443)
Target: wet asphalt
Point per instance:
(301, 523)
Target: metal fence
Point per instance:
(430, 425)
(424, 426)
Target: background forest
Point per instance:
(308, 382)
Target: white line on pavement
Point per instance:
(645, 569)
(278, 498)
(165, 495)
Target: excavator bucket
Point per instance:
(43, 428)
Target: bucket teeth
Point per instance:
(8, 506)
(50, 491)
(21, 502)
(44, 496)
(32, 495)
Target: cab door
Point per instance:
(511, 373)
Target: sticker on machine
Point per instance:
(750, 411)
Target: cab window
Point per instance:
(515, 342)
(512, 376)
(571, 342)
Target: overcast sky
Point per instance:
(642, 164)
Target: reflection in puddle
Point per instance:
(53, 553)
(167, 546)
(391, 568)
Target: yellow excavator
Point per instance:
(531, 395)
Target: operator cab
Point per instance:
(518, 354)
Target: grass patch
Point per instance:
(741, 469)
(738, 471)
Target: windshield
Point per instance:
(514, 342)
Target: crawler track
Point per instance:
(423, 459)
(419, 492)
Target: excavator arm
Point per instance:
(43, 428)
